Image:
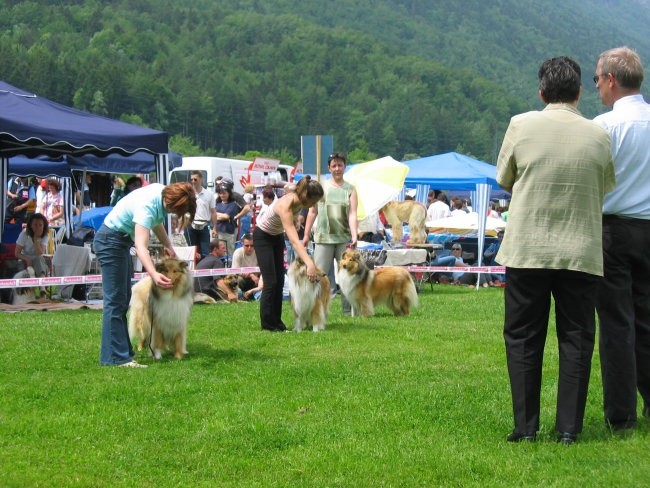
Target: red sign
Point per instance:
(265, 165)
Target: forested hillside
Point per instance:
(396, 77)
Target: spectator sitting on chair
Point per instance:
(371, 229)
(245, 257)
(495, 278)
(462, 278)
(214, 286)
(32, 244)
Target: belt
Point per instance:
(199, 225)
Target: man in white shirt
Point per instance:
(245, 257)
(624, 299)
(198, 234)
(439, 209)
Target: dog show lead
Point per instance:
(268, 240)
(129, 224)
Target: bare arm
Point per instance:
(19, 255)
(352, 219)
(283, 209)
(244, 211)
(142, 250)
(309, 222)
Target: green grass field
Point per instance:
(417, 401)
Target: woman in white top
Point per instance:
(268, 239)
(32, 243)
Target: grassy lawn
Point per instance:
(417, 401)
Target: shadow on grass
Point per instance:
(206, 355)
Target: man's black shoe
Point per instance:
(566, 438)
(521, 437)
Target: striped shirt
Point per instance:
(270, 222)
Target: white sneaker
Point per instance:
(132, 364)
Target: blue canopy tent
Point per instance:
(33, 126)
(41, 167)
(140, 162)
(453, 171)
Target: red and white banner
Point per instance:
(90, 279)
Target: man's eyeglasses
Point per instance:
(194, 179)
(456, 249)
(597, 77)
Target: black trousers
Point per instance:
(624, 317)
(269, 250)
(527, 306)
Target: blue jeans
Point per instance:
(245, 225)
(112, 250)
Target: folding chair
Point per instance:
(186, 253)
(70, 261)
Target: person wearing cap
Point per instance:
(336, 228)
(243, 206)
(558, 167)
(227, 210)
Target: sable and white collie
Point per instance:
(310, 301)
(23, 295)
(366, 288)
(159, 316)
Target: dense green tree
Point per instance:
(384, 77)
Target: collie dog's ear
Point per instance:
(183, 265)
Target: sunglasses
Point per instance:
(336, 155)
(456, 249)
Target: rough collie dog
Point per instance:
(310, 301)
(410, 211)
(23, 295)
(159, 316)
(365, 288)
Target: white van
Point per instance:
(239, 171)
